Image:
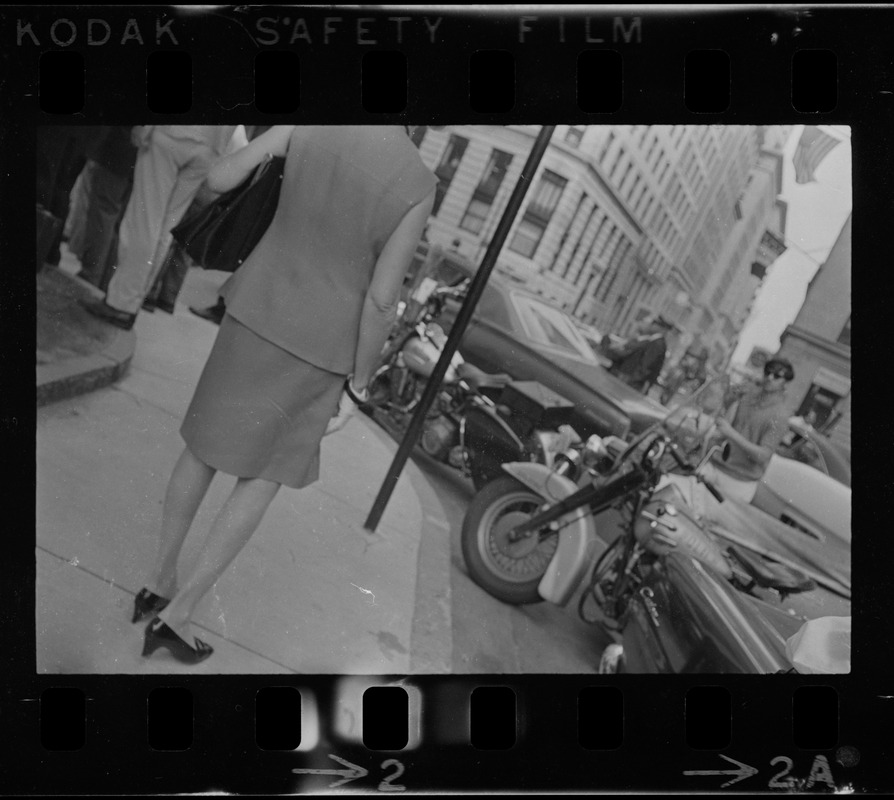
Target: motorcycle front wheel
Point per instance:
(509, 571)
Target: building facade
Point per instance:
(620, 221)
(818, 343)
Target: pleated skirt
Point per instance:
(259, 411)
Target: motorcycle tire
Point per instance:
(509, 572)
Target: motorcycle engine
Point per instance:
(439, 435)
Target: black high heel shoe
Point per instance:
(146, 604)
(159, 634)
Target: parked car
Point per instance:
(807, 485)
(806, 444)
(517, 332)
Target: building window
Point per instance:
(819, 405)
(624, 177)
(567, 233)
(447, 167)
(664, 168)
(608, 143)
(622, 247)
(486, 191)
(574, 135)
(593, 241)
(632, 196)
(616, 163)
(538, 214)
(845, 336)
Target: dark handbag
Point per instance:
(222, 234)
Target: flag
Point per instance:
(813, 147)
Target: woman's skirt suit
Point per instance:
(277, 368)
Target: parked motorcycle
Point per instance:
(478, 420)
(672, 595)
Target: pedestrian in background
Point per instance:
(307, 316)
(753, 421)
(60, 157)
(75, 225)
(215, 313)
(172, 162)
(638, 362)
(113, 156)
(754, 424)
(172, 275)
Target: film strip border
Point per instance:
(357, 65)
(65, 733)
(454, 733)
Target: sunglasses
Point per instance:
(776, 373)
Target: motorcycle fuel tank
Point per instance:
(687, 619)
(665, 525)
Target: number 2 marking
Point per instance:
(386, 785)
(775, 782)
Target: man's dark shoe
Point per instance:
(105, 312)
(149, 305)
(213, 313)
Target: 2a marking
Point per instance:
(820, 772)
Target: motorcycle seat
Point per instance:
(478, 379)
(770, 575)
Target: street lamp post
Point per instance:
(476, 288)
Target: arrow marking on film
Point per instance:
(743, 771)
(350, 774)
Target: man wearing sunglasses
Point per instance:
(759, 420)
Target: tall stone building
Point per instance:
(818, 343)
(620, 221)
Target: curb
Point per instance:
(78, 376)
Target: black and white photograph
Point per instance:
(446, 399)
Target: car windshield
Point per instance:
(552, 328)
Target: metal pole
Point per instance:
(476, 288)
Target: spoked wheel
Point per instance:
(510, 571)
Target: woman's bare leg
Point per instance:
(233, 527)
(187, 488)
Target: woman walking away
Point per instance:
(307, 315)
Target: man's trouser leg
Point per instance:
(166, 178)
(76, 223)
(108, 195)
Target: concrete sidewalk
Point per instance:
(312, 593)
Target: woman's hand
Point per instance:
(346, 408)
(347, 405)
(230, 170)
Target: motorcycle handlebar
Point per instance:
(713, 490)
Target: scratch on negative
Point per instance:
(365, 591)
(280, 409)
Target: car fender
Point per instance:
(578, 543)
(809, 497)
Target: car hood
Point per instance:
(641, 410)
